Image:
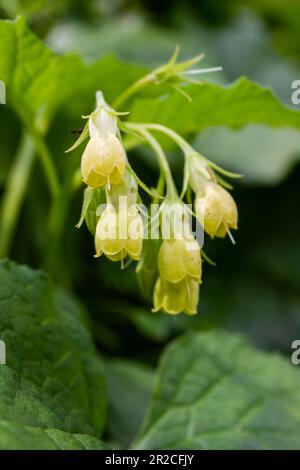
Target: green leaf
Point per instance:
(241, 103)
(87, 199)
(98, 197)
(15, 436)
(125, 416)
(38, 81)
(213, 391)
(53, 380)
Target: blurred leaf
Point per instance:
(262, 154)
(246, 45)
(38, 81)
(10, 135)
(243, 102)
(128, 35)
(134, 381)
(254, 304)
(53, 380)
(284, 19)
(213, 391)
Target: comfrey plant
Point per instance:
(122, 226)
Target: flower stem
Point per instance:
(14, 193)
(133, 89)
(163, 162)
(57, 219)
(180, 141)
(42, 151)
(47, 163)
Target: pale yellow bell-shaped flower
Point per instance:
(179, 258)
(103, 161)
(119, 233)
(176, 297)
(217, 210)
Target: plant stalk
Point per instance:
(14, 193)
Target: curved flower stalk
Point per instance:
(215, 208)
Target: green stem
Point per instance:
(133, 89)
(47, 163)
(181, 142)
(163, 162)
(57, 222)
(187, 148)
(14, 193)
(42, 151)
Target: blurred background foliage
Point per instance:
(255, 286)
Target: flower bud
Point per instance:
(119, 233)
(103, 161)
(217, 210)
(177, 297)
(179, 258)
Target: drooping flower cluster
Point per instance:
(173, 273)
(119, 229)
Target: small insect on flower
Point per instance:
(217, 208)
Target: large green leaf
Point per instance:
(213, 391)
(38, 81)
(243, 102)
(15, 436)
(53, 380)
